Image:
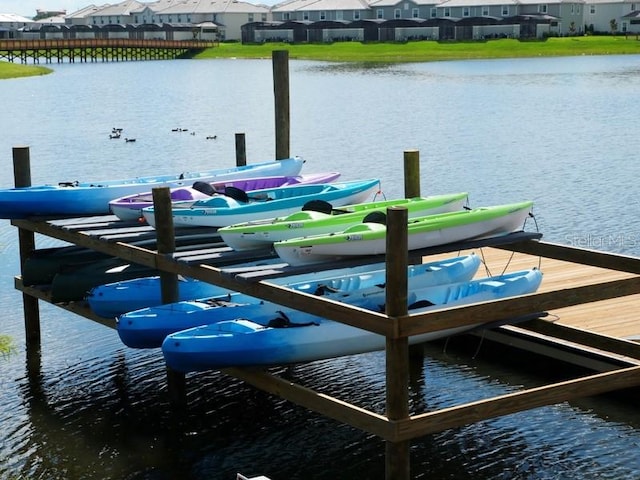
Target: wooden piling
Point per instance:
(412, 190)
(27, 244)
(241, 150)
(397, 461)
(280, 61)
(411, 173)
(166, 242)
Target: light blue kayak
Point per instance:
(224, 210)
(147, 328)
(292, 336)
(114, 299)
(93, 197)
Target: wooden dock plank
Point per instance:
(617, 317)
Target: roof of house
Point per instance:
(123, 8)
(320, 5)
(13, 18)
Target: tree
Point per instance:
(613, 25)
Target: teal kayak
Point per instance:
(224, 210)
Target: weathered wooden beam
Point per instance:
(26, 245)
(318, 402)
(515, 307)
(397, 462)
(595, 258)
(280, 61)
(453, 417)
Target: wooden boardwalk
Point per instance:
(617, 317)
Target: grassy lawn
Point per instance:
(427, 51)
(423, 51)
(13, 70)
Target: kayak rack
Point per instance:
(397, 426)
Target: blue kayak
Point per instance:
(93, 197)
(147, 328)
(292, 336)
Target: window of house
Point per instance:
(339, 14)
(505, 10)
(356, 14)
(396, 13)
(578, 9)
(323, 15)
(542, 8)
(286, 16)
(379, 13)
(447, 12)
(406, 6)
(263, 17)
(433, 13)
(250, 17)
(592, 9)
(485, 11)
(466, 12)
(305, 15)
(135, 19)
(415, 13)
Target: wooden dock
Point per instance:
(590, 298)
(569, 292)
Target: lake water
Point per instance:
(561, 132)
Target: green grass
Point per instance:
(423, 51)
(427, 51)
(14, 70)
(6, 346)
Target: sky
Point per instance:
(27, 8)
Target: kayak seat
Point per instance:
(318, 206)
(236, 193)
(203, 187)
(375, 217)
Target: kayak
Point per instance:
(130, 207)
(259, 233)
(239, 206)
(93, 197)
(147, 327)
(369, 238)
(292, 336)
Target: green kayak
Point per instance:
(321, 218)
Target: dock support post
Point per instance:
(411, 173)
(412, 190)
(241, 150)
(280, 61)
(397, 461)
(27, 244)
(166, 244)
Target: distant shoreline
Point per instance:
(420, 51)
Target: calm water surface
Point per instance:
(558, 131)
